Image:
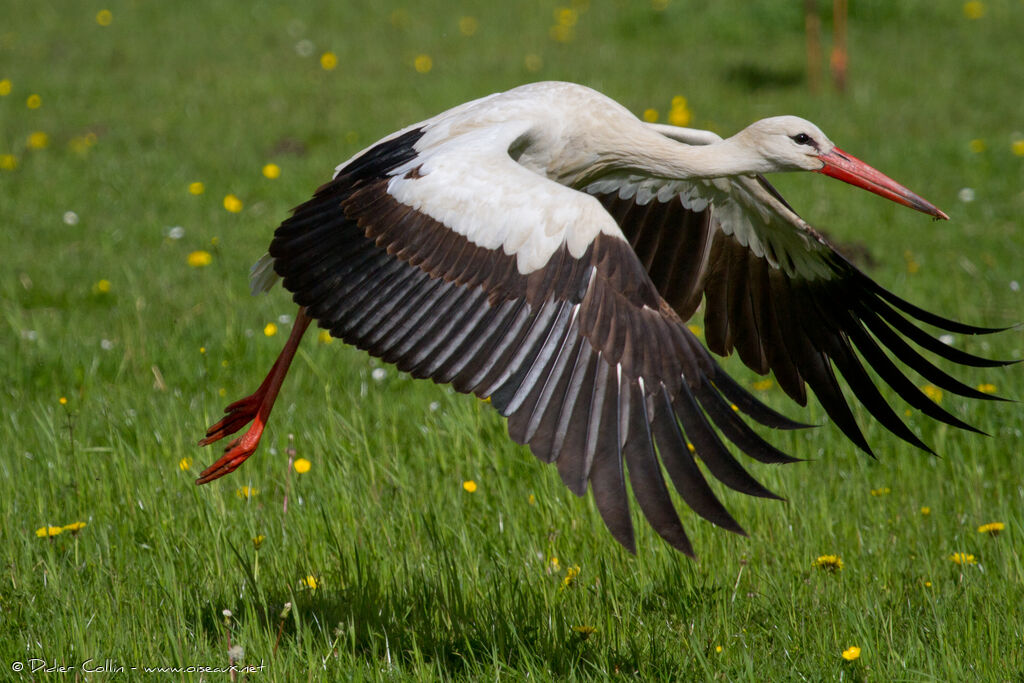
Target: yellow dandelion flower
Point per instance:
(222, 392)
(302, 465)
(555, 564)
(679, 117)
(38, 140)
(570, 576)
(8, 162)
(1018, 147)
(5, 87)
(257, 541)
(270, 329)
(566, 16)
(679, 113)
(200, 258)
(533, 62)
(185, 464)
(202, 350)
(232, 203)
(196, 188)
(47, 531)
(690, 447)
(584, 631)
(246, 492)
(696, 329)
(925, 510)
(974, 9)
(311, 582)
(469, 485)
(102, 287)
(468, 25)
(829, 563)
(851, 653)
(932, 392)
(324, 337)
(328, 61)
(74, 527)
(962, 559)
(650, 115)
(661, 6)
(33, 101)
(423, 64)
(532, 499)
(992, 528)
(977, 145)
(272, 171)
(987, 388)
(884, 491)
(927, 584)
(763, 384)
(104, 17)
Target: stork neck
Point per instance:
(729, 157)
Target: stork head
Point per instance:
(790, 143)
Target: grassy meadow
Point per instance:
(149, 149)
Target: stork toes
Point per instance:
(236, 452)
(239, 414)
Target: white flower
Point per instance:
(70, 218)
(966, 194)
(379, 374)
(175, 232)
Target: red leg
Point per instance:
(255, 408)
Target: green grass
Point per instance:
(417, 578)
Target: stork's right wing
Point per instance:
(778, 293)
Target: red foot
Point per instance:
(234, 455)
(255, 408)
(239, 414)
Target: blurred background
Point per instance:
(148, 150)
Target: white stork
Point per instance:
(543, 247)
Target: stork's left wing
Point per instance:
(534, 299)
(779, 294)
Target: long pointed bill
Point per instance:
(849, 169)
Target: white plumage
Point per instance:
(544, 247)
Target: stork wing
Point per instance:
(779, 294)
(454, 262)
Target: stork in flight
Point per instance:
(543, 247)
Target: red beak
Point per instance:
(849, 169)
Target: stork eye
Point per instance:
(802, 139)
